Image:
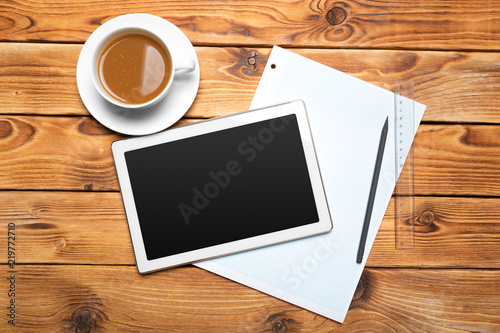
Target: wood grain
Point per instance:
(455, 86)
(188, 299)
(68, 227)
(39, 79)
(74, 153)
(75, 268)
(63, 153)
(459, 158)
(56, 153)
(449, 232)
(91, 228)
(426, 24)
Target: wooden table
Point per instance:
(74, 266)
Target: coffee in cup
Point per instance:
(134, 68)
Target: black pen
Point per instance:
(373, 191)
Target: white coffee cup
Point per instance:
(178, 67)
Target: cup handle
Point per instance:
(184, 66)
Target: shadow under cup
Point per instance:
(132, 68)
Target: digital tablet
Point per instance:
(221, 186)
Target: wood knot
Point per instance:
(5, 129)
(61, 245)
(88, 187)
(90, 126)
(33, 214)
(280, 324)
(86, 319)
(247, 63)
(279, 327)
(252, 60)
(426, 218)
(16, 133)
(336, 15)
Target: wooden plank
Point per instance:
(426, 301)
(426, 24)
(73, 153)
(91, 228)
(455, 86)
(67, 227)
(449, 232)
(457, 160)
(117, 298)
(39, 79)
(58, 153)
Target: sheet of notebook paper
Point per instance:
(346, 116)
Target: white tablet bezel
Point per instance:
(120, 147)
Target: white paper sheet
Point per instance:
(346, 115)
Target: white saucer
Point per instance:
(159, 116)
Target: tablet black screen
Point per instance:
(222, 186)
